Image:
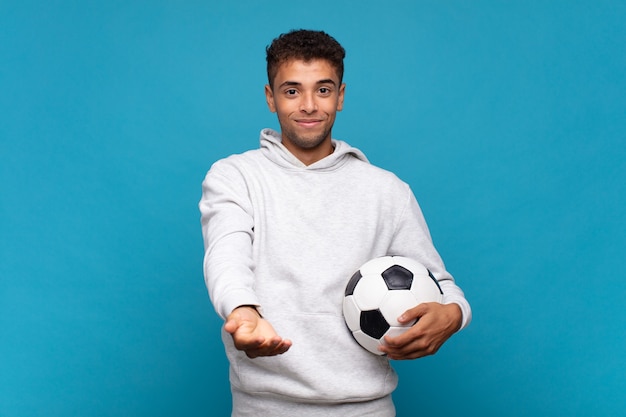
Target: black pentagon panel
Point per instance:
(352, 283)
(430, 274)
(398, 278)
(373, 323)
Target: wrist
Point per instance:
(252, 307)
(456, 315)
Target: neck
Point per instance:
(310, 156)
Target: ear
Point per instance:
(269, 97)
(342, 90)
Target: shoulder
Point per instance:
(236, 163)
(359, 162)
(233, 174)
(378, 176)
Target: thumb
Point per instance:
(232, 323)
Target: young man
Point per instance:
(284, 228)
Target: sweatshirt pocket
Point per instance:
(324, 364)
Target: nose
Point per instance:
(308, 103)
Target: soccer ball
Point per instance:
(380, 291)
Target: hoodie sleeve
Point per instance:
(227, 230)
(412, 238)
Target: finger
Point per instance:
(248, 342)
(231, 326)
(277, 345)
(233, 322)
(416, 349)
(405, 357)
(413, 313)
(283, 347)
(408, 341)
(402, 354)
(413, 333)
(271, 349)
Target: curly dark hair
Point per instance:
(306, 45)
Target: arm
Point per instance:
(228, 232)
(227, 229)
(437, 322)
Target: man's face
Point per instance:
(306, 97)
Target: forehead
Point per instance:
(301, 71)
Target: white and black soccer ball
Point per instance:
(380, 291)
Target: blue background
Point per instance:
(507, 119)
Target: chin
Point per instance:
(307, 142)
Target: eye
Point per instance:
(325, 90)
(291, 92)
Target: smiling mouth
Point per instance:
(308, 123)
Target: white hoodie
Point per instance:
(287, 237)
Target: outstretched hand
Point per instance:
(253, 334)
(437, 322)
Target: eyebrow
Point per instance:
(295, 83)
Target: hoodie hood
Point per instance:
(273, 148)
